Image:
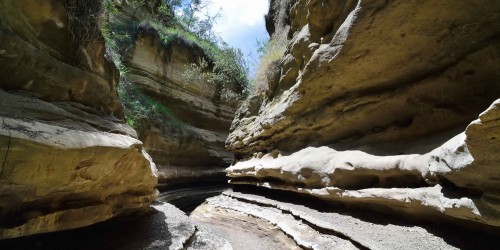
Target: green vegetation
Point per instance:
(173, 21)
(139, 107)
(224, 66)
(270, 52)
(82, 16)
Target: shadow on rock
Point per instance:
(457, 233)
(128, 232)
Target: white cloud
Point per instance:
(237, 16)
(241, 24)
(239, 13)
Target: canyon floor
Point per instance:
(255, 218)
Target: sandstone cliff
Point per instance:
(185, 134)
(369, 104)
(191, 144)
(68, 159)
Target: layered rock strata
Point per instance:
(68, 160)
(372, 75)
(368, 105)
(281, 224)
(56, 52)
(189, 145)
(450, 180)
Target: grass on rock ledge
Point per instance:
(223, 66)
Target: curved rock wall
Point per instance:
(457, 179)
(374, 74)
(368, 105)
(67, 158)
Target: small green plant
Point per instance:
(139, 108)
(223, 66)
(270, 51)
(82, 23)
(172, 21)
(228, 73)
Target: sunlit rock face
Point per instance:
(451, 180)
(189, 144)
(369, 104)
(68, 160)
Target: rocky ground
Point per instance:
(255, 218)
(284, 221)
(163, 227)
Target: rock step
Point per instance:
(303, 235)
(319, 228)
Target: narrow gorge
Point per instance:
(130, 124)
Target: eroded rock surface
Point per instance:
(449, 180)
(313, 225)
(190, 145)
(368, 107)
(68, 159)
(185, 135)
(185, 234)
(373, 74)
(56, 52)
(242, 230)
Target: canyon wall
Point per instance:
(379, 105)
(189, 145)
(186, 137)
(68, 159)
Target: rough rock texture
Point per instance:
(483, 144)
(278, 20)
(369, 104)
(375, 73)
(268, 218)
(163, 227)
(191, 144)
(450, 180)
(67, 159)
(241, 230)
(57, 53)
(189, 196)
(185, 234)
